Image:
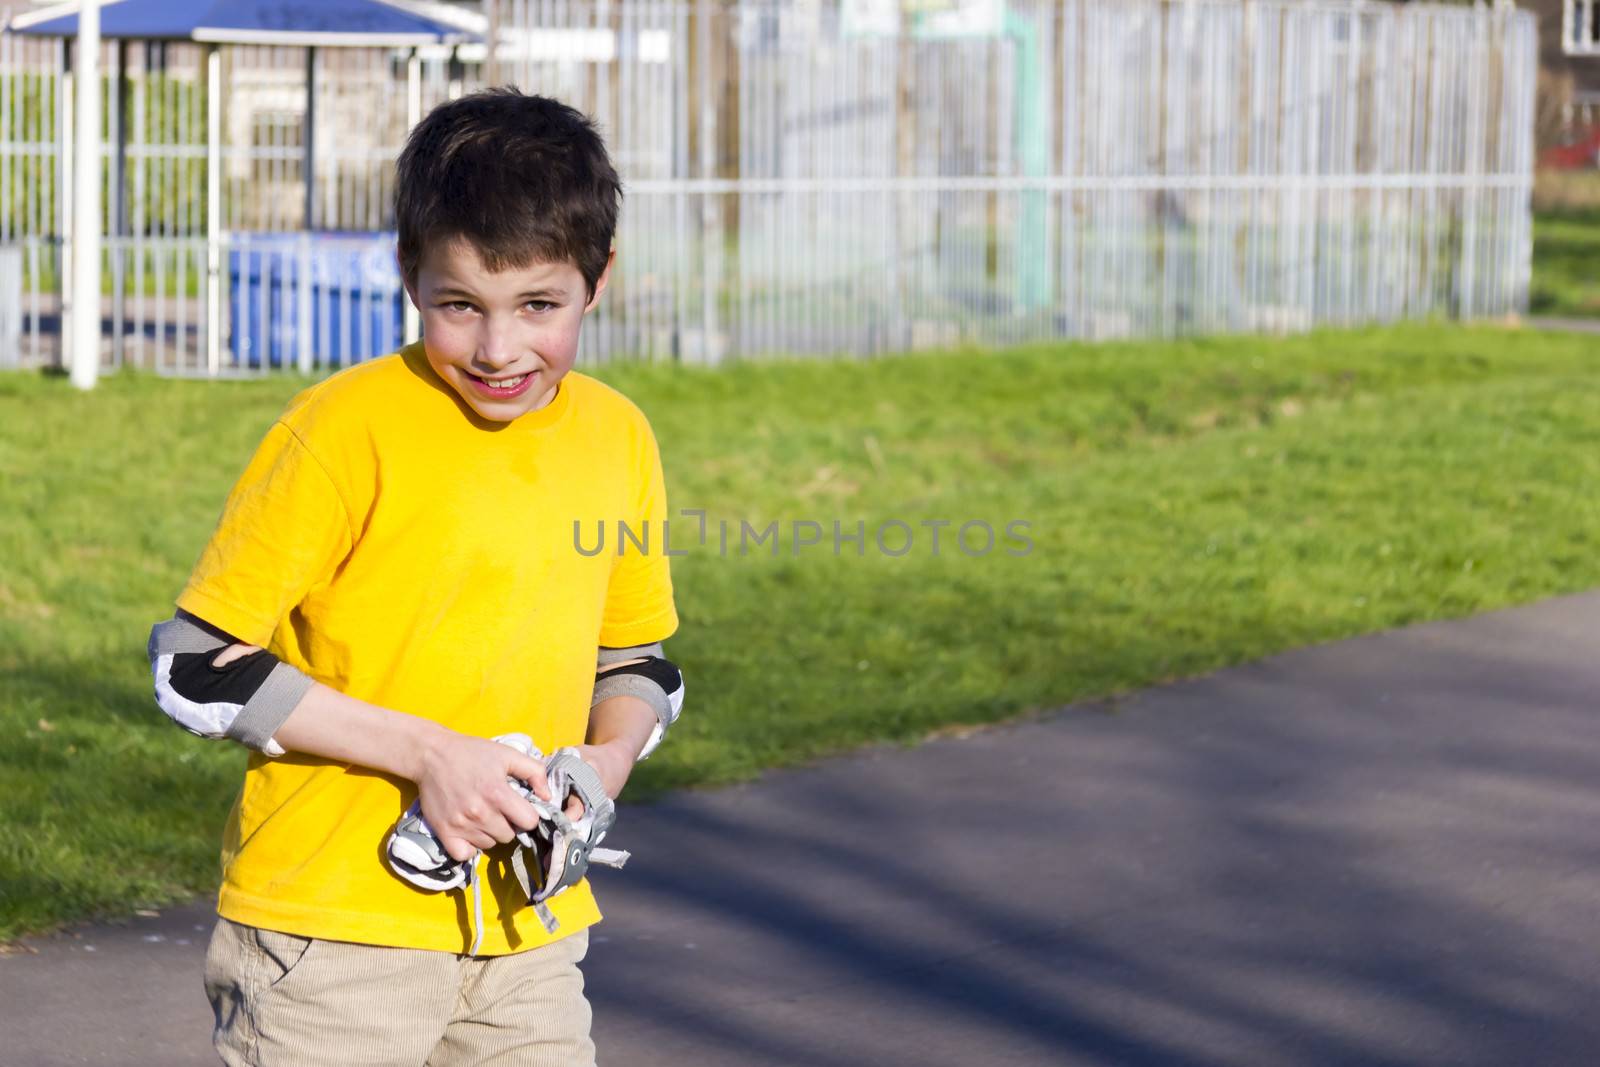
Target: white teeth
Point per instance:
(505, 383)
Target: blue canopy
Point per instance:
(327, 23)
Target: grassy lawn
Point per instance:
(1566, 263)
(1189, 506)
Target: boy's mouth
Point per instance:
(501, 388)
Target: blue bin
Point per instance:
(355, 297)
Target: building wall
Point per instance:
(1569, 86)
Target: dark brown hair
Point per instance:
(521, 178)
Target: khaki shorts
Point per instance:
(283, 999)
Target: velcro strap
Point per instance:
(573, 771)
(653, 679)
(179, 635)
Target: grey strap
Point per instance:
(586, 780)
(609, 656)
(519, 867)
(270, 708)
(180, 635)
(614, 684)
(644, 673)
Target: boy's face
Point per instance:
(501, 340)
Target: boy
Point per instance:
(392, 584)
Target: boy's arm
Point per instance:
(461, 780)
(618, 729)
(456, 772)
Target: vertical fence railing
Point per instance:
(806, 180)
(10, 305)
(1079, 169)
(30, 209)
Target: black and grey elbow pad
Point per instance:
(246, 701)
(655, 679)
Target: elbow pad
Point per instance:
(656, 680)
(245, 701)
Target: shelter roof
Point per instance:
(324, 23)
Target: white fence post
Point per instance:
(85, 285)
(214, 222)
(10, 306)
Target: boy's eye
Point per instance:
(459, 306)
(539, 305)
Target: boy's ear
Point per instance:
(600, 282)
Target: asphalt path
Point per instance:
(1381, 852)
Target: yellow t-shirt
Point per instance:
(397, 547)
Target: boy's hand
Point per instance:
(613, 762)
(233, 652)
(461, 781)
(618, 729)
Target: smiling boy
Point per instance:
(393, 582)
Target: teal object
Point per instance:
(1032, 138)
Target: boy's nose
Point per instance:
(495, 350)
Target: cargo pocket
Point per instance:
(245, 966)
(283, 954)
(285, 1013)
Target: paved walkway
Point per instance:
(1547, 322)
(1380, 852)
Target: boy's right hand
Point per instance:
(461, 781)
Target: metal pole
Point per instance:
(1031, 290)
(85, 288)
(213, 209)
(491, 59)
(303, 308)
(413, 320)
(65, 176)
(119, 211)
(711, 235)
(309, 148)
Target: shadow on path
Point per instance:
(1378, 852)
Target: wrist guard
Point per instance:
(547, 860)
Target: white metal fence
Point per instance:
(802, 179)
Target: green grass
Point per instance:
(1566, 263)
(1191, 505)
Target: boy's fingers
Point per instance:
(518, 811)
(233, 652)
(532, 772)
(498, 827)
(457, 848)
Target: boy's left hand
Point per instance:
(613, 762)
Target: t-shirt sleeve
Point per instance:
(283, 531)
(639, 608)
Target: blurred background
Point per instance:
(856, 177)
